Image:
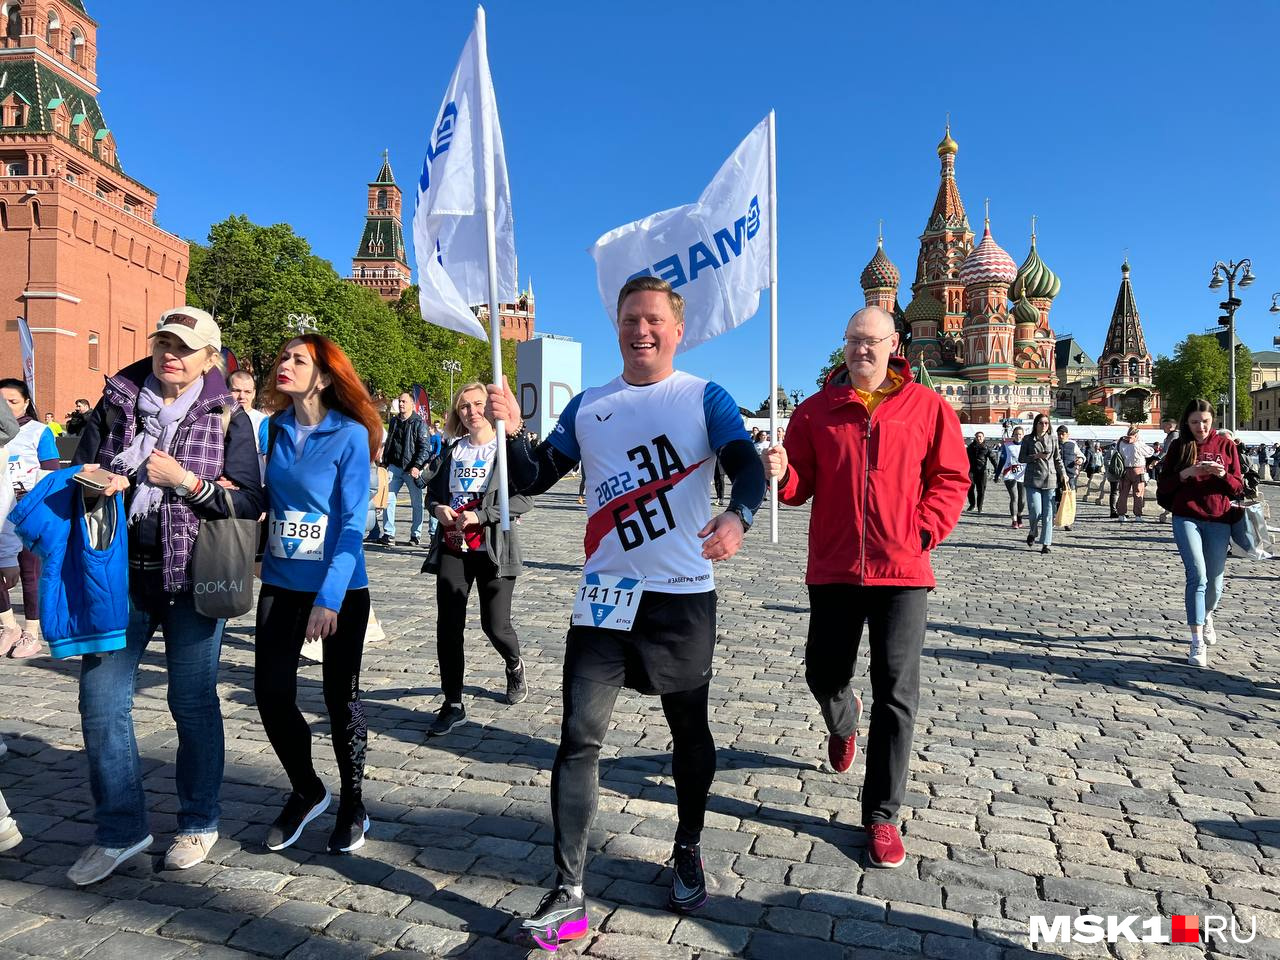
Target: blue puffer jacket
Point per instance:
(84, 592)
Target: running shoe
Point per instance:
(97, 862)
(841, 751)
(189, 849)
(297, 813)
(1210, 634)
(1199, 654)
(27, 646)
(9, 637)
(517, 686)
(350, 829)
(688, 880)
(10, 835)
(447, 717)
(885, 848)
(561, 917)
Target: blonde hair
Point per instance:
(452, 422)
(656, 285)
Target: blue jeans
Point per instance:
(1040, 510)
(1203, 545)
(192, 644)
(402, 478)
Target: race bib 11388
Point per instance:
(294, 535)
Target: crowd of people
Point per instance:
(176, 454)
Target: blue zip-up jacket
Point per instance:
(84, 596)
(330, 480)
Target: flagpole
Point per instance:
(773, 317)
(487, 112)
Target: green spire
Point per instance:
(385, 175)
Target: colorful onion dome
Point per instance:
(1024, 311)
(988, 263)
(948, 146)
(880, 272)
(925, 306)
(1041, 282)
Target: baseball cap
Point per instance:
(193, 326)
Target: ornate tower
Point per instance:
(944, 245)
(880, 279)
(988, 326)
(1035, 357)
(81, 256)
(379, 262)
(1124, 368)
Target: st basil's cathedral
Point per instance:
(977, 328)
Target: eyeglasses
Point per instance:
(859, 343)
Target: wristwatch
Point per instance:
(181, 489)
(745, 515)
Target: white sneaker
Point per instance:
(313, 650)
(10, 835)
(1199, 655)
(1210, 635)
(188, 849)
(99, 862)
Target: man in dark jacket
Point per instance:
(405, 453)
(884, 460)
(980, 457)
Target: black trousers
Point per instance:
(281, 626)
(575, 775)
(458, 571)
(977, 489)
(1017, 499)
(895, 618)
(718, 479)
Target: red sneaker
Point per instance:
(842, 750)
(885, 848)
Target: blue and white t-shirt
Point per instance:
(648, 454)
(469, 476)
(35, 442)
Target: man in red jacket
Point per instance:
(884, 461)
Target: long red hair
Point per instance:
(346, 392)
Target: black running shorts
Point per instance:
(669, 650)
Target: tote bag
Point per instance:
(222, 564)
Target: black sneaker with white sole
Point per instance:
(561, 917)
(447, 717)
(517, 686)
(689, 882)
(297, 813)
(349, 830)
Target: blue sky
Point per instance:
(1146, 126)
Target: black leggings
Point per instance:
(282, 623)
(29, 574)
(458, 571)
(575, 776)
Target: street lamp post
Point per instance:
(452, 366)
(798, 395)
(1229, 270)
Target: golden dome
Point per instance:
(948, 146)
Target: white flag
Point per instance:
(714, 253)
(28, 355)
(449, 223)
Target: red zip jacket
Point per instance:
(878, 481)
(1202, 498)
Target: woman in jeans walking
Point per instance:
(314, 584)
(1043, 457)
(1198, 483)
(470, 548)
(165, 430)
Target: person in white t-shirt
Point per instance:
(644, 615)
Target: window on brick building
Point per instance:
(14, 27)
(93, 350)
(15, 168)
(52, 29)
(382, 199)
(77, 45)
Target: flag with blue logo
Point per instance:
(449, 222)
(714, 253)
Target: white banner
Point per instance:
(28, 356)
(714, 253)
(449, 224)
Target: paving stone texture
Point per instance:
(1067, 761)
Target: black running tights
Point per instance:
(575, 776)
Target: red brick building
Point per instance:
(380, 262)
(80, 254)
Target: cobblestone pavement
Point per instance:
(1067, 760)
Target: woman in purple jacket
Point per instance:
(167, 428)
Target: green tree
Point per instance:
(1091, 415)
(1200, 367)
(835, 360)
(1134, 410)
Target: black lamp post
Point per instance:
(1229, 271)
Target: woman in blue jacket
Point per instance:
(314, 585)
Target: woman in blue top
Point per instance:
(314, 585)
